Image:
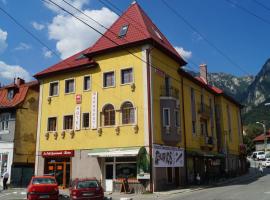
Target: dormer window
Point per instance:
(123, 31)
(10, 94)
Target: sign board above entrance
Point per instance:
(168, 156)
(64, 153)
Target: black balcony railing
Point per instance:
(169, 92)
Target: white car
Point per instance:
(258, 155)
(266, 163)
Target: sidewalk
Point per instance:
(157, 195)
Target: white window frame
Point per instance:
(74, 87)
(72, 122)
(114, 74)
(89, 120)
(90, 87)
(179, 121)
(121, 76)
(169, 120)
(57, 88)
(48, 123)
(5, 131)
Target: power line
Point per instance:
(248, 11)
(111, 5)
(210, 43)
(43, 44)
(27, 31)
(151, 65)
(262, 5)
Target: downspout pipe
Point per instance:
(184, 126)
(149, 99)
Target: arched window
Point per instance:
(108, 115)
(128, 113)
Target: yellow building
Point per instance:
(18, 127)
(116, 110)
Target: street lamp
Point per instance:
(264, 131)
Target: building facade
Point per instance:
(122, 109)
(18, 112)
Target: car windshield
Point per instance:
(261, 153)
(87, 184)
(37, 181)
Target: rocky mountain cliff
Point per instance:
(252, 92)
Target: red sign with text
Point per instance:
(78, 98)
(64, 153)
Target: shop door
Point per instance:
(109, 177)
(59, 171)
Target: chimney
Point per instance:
(203, 72)
(19, 81)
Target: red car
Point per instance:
(42, 187)
(86, 189)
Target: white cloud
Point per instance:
(76, 3)
(73, 36)
(9, 72)
(3, 42)
(23, 46)
(183, 53)
(38, 26)
(47, 53)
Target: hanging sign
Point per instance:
(167, 156)
(94, 110)
(77, 118)
(64, 153)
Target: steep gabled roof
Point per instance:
(71, 63)
(19, 94)
(140, 29)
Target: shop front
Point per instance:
(169, 171)
(119, 165)
(6, 158)
(58, 164)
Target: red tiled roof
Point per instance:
(213, 88)
(70, 63)
(261, 137)
(140, 29)
(19, 95)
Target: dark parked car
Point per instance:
(43, 187)
(86, 189)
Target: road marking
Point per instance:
(15, 192)
(23, 193)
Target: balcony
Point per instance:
(204, 110)
(169, 92)
(206, 142)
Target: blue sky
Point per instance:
(244, 38)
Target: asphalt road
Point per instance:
(252, 187)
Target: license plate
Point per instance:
(87, 194)
(44, 196)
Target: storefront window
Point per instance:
(3, 162)
(126, 170)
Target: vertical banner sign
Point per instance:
(94, 110)
(77, 118)
(168, 156)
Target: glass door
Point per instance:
(109, 177)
